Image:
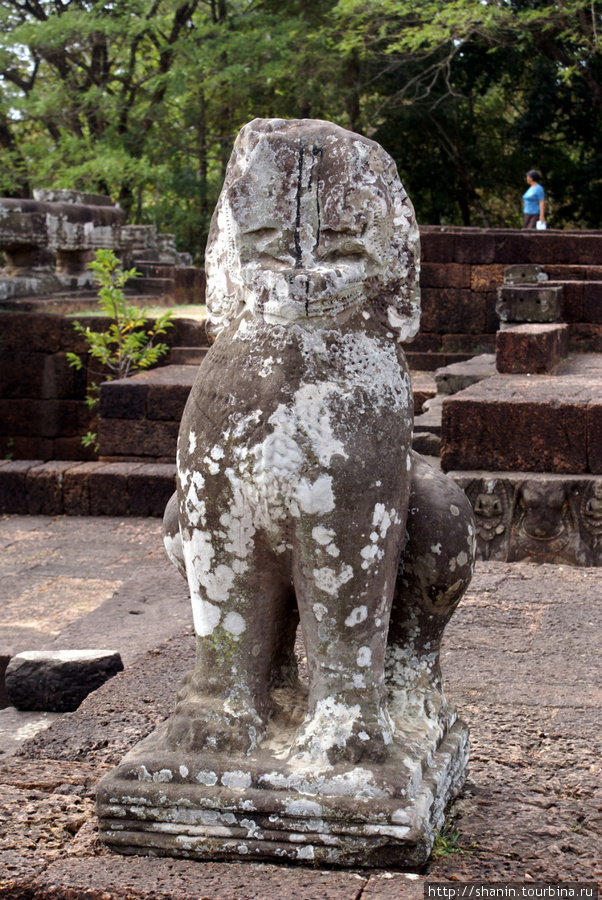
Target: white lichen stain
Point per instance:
(234, 624)
(319, 611)
(329, 581)
(356, 616)
(364, 657)
(237, 780)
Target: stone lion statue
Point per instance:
(299, 498)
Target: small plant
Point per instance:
(128, 345)
(446, 842)
(10, 452)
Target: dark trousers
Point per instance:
(530, 220)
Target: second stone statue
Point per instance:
(306, 527)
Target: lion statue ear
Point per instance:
(399, 304)
(393, 295)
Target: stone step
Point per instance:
(529, 303)
(66, 487)
(67, 304)
(458, 376)
(140, 416)
(431, 360)
(430, 420)
(522, 423)
(188, 356)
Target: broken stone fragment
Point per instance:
(58, 680)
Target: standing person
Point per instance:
(534, 201)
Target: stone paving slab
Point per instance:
(521, 663)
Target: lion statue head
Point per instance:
(312, 220)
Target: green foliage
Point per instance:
(128, 344)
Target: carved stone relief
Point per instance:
(546, 518)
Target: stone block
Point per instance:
(585, 338)
(123, 399)
(437, 246)
(529, 273)
(44, 488)
(189, 285)
(594, 450)
(76, 490)
(566, 272)
(21, 374)
(572, 300)
(475, 247)
(72, 341)
(529, 304)
(13, 491)
(589, 250)
(425, 362)
(554, 247)
(531, 348)
(446, 310)
(520, 423)
(30, 332)
(592, 302)
(22, 229)
(21, 417)
(486, 278)
(72, 447)
(187, 333)
(167, 401)
(58, 680)
(474, 344)
(458, 376)
(149, 489)
(512, 248)
(140, 438)
(444, 275)
(26, 448)
(62, 381)
(63, 418)
(424, 342)
(187, 356)
(108, 488)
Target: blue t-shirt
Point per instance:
(531, 199)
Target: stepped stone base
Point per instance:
(261, 806)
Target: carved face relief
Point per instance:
(543, 515)
(312, 220)
(489, 509)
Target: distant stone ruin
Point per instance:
(48, 242)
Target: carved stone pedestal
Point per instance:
(260, 806)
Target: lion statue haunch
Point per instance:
(295, 469)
